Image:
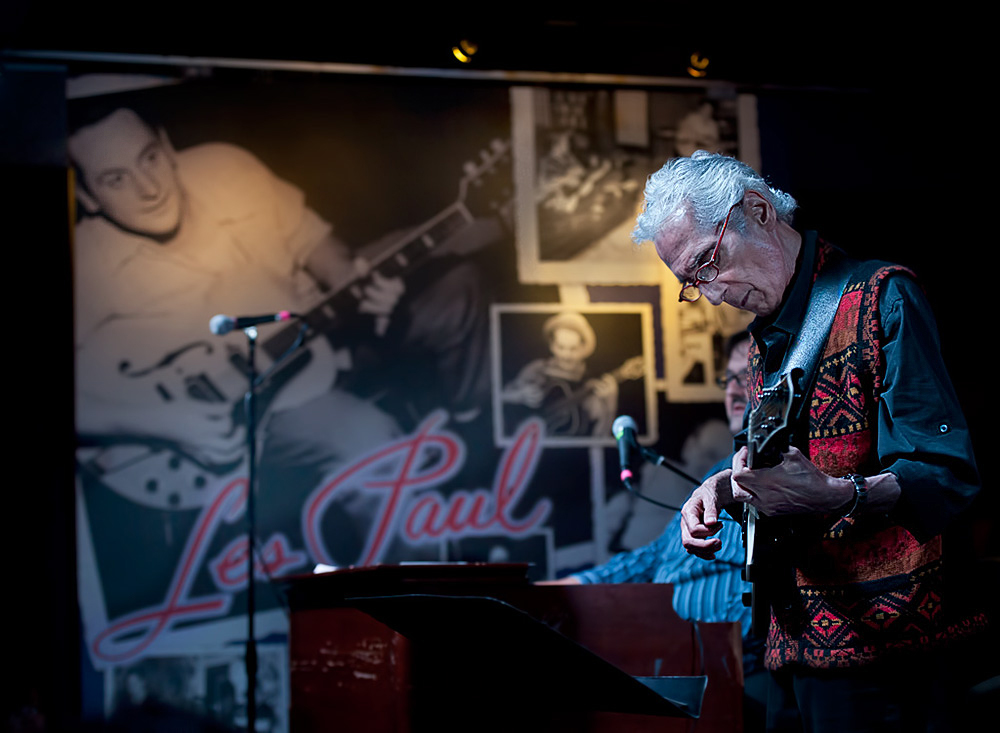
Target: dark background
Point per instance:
(876, 123)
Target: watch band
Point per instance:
(860, 493)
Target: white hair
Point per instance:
(706, 185)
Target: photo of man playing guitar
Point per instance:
(168, 239)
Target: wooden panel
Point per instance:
(350, 672)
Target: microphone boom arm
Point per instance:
(658, 460)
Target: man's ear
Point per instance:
(759, 210)
(83, 196)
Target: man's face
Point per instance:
(753, 273)
(129, 174)
(567, 347)
(736, 390)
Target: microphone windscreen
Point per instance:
(620, 424)
(221, 324)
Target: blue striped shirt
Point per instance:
(704, 590)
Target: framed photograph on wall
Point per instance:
(581, 160)
(576, 368)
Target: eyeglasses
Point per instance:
(740, 379)
(707, 273)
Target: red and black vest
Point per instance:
(866, 587)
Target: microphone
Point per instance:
(223, 324)
(623, 429)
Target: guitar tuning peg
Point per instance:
(470, 168)
(497, 145)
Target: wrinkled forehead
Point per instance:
(113, 142)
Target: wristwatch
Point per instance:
(860, 493)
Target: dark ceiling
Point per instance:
(748, 49)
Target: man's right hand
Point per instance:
(208, 433)
(700, 515)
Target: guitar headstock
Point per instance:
(769, 429)
(486, 185)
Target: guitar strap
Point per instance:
(773, 575)
(807, 344)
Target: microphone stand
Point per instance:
(250, 406)
(658, 460)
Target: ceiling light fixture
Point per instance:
(464, 51)
(698, 65)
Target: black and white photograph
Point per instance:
(198, 692)
(695, 334)
(582, 157)
(576, 369)
(190, 227)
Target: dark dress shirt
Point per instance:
(922, 436)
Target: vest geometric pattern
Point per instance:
(865, 587)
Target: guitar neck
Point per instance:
(403, 257)
(397, 260)
(620, 375)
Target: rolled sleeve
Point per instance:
(923, 438)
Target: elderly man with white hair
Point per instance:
(862, 616)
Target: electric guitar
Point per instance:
(162, 474)
(769, 434)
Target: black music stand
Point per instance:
(473, 652)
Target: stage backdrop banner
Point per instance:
(396, 269)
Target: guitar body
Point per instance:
(563, 411)
(769, 434)
(563, 406)
(164, 474)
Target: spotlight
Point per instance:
(464, 51)
(698, 65)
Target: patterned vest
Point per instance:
(865, 587)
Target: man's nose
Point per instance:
(712, 293)
(147, 186)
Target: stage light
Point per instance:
(464, 51)
(698, 65)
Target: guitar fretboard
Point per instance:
(398, 260)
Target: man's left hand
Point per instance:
(794, 486)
